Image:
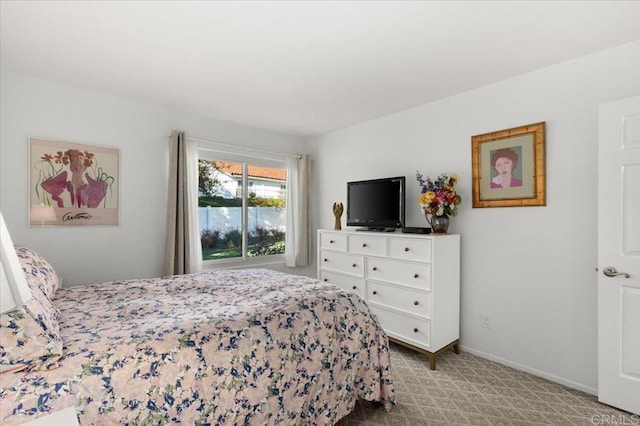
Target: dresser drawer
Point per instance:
(367, 245)
(352, 284)
(342, 262)
(333, 241)
(416, 275)
(403, 299)
(415, 249)
(404, 327)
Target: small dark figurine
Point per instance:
(337, 212)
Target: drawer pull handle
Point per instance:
(326, 260)
(375, 268)
(331, 242)
(354, 265)
(416, 303)
(364, 244)
(406, 249)
(354, 287)
(415, 275)
(326, 280)
(415, 330)
(375, 292)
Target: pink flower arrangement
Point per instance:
(438, 197)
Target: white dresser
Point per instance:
(410, 281)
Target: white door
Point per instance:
(619, 255)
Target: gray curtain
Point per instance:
(182, 237)
(296, 238)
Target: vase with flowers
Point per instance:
(439, 200)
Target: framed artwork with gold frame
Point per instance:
(508, 167)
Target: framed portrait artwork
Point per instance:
(72, 184)
(508, 167)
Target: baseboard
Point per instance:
(520, 367)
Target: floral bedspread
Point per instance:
(243, 347)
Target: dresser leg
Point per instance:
(432, 361)
(432, 356)
(455, 346)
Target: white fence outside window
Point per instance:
(225, 219)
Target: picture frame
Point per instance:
(508, 167)
(72, 184)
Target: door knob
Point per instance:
(610, 271)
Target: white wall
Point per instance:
(531, 269)
(34, 107)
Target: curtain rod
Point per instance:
(245, 148)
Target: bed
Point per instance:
(229, 347)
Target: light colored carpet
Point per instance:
(468, 390)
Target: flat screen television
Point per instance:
(377, 204)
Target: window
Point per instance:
(241, 207)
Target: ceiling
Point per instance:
(307, 67)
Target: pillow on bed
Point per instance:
(38, 271)
(27, 341)
(43, 282)
(30, 336)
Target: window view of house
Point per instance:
(226, 229)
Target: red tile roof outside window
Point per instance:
(260, 172)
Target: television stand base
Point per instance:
(376, 229)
